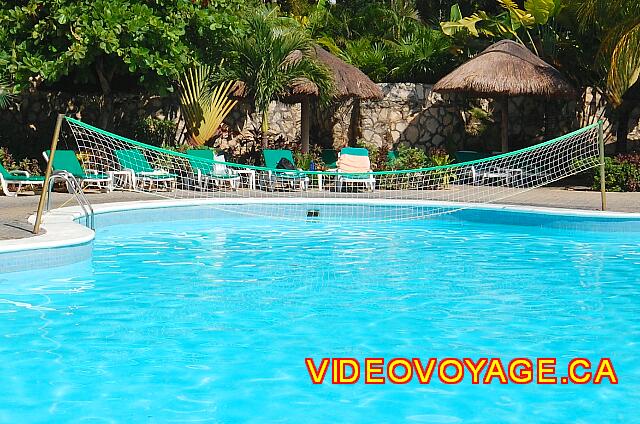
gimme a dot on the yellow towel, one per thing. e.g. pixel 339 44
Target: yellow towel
pixel 353 164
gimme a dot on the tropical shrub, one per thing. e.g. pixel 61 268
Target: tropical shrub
pixel 7 160
pixel 304 160
pixel 105 43
pixel 157 132
pixel 622 173
pixel 387 40
pixel 409 158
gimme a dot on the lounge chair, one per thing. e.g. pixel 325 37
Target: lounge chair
pixel 17 177
pixel 329 157
pixel 143 175
pixel 283 177
pixel 484 173
pixel 354 167
pixel 206 172
pixel 66 160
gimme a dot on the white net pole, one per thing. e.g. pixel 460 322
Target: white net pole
pixel 111 161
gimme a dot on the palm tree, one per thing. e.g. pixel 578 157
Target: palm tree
pixel 273 55
pixel 617 25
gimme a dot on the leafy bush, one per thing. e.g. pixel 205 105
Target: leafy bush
pixel 304 160
pixel 7 160
pixel 622 173
pixel 157 132
pixel 409 158
pixel 378 156
pixel 442 177
pixel 386 40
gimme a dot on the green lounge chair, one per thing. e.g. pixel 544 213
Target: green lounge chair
pixel 142 174
pixel 282 176
pixel 66 160
pixel 207 172
pixel 17 177
pixel 330 157
pixel 346 177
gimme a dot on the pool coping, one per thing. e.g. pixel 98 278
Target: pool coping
pixel 62 228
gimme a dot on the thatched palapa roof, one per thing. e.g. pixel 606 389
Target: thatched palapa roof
pixel 506 68
pixel 349 81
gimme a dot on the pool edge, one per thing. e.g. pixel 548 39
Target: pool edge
pixel 63 231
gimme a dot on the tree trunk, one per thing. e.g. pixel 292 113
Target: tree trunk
pixel 355 123
pixel 105 77
pixel 623 128
pixel 304 124
pixel 265 129
pixel 504 106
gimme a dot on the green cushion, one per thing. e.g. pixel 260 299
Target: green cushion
pixel 66 160
pixel 134 160
pixel 354 151
pixel 205 167
pixel 199 165
pixel 355 176
pixel 8 176
pixel 330 157
pixel 272 157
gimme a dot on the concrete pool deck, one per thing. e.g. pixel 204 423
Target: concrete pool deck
pixel 14 211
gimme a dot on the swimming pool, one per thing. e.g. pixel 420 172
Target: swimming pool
pixel 209 318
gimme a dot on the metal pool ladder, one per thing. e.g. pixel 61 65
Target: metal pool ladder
pixel 74 188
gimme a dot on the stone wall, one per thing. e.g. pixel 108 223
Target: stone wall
pixel 409 114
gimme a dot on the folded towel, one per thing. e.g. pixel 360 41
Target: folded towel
pixel 353 164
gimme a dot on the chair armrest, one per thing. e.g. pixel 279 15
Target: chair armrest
pixel 20 172
pixel 91 171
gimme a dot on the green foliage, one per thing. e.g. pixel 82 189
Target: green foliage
pixel 303 160
pixel 385 39
pixel 622 173
pixel 156 132
pixel 512 22
pixel 409 158
pixel 271 57
pixel 369 56
pixel 94 41
pixel 7 160
pixel 421 55
pixel 478 122
pixel 204 104
pixel 617 29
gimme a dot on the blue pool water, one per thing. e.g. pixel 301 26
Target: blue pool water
pixel 210 321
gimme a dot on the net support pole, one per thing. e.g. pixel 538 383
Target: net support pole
pixel 47 175
pixel 603 189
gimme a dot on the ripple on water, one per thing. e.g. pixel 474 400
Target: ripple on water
pixel 210 321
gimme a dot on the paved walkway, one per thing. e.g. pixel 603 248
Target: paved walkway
pixel 14 211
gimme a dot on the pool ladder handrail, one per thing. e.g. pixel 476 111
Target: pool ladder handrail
pixel 74 188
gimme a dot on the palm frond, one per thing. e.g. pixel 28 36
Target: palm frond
pixel 204 106
pixel 6 93
pixel 625 63
pixel 272 56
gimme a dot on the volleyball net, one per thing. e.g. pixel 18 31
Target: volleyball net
pixel 113 162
